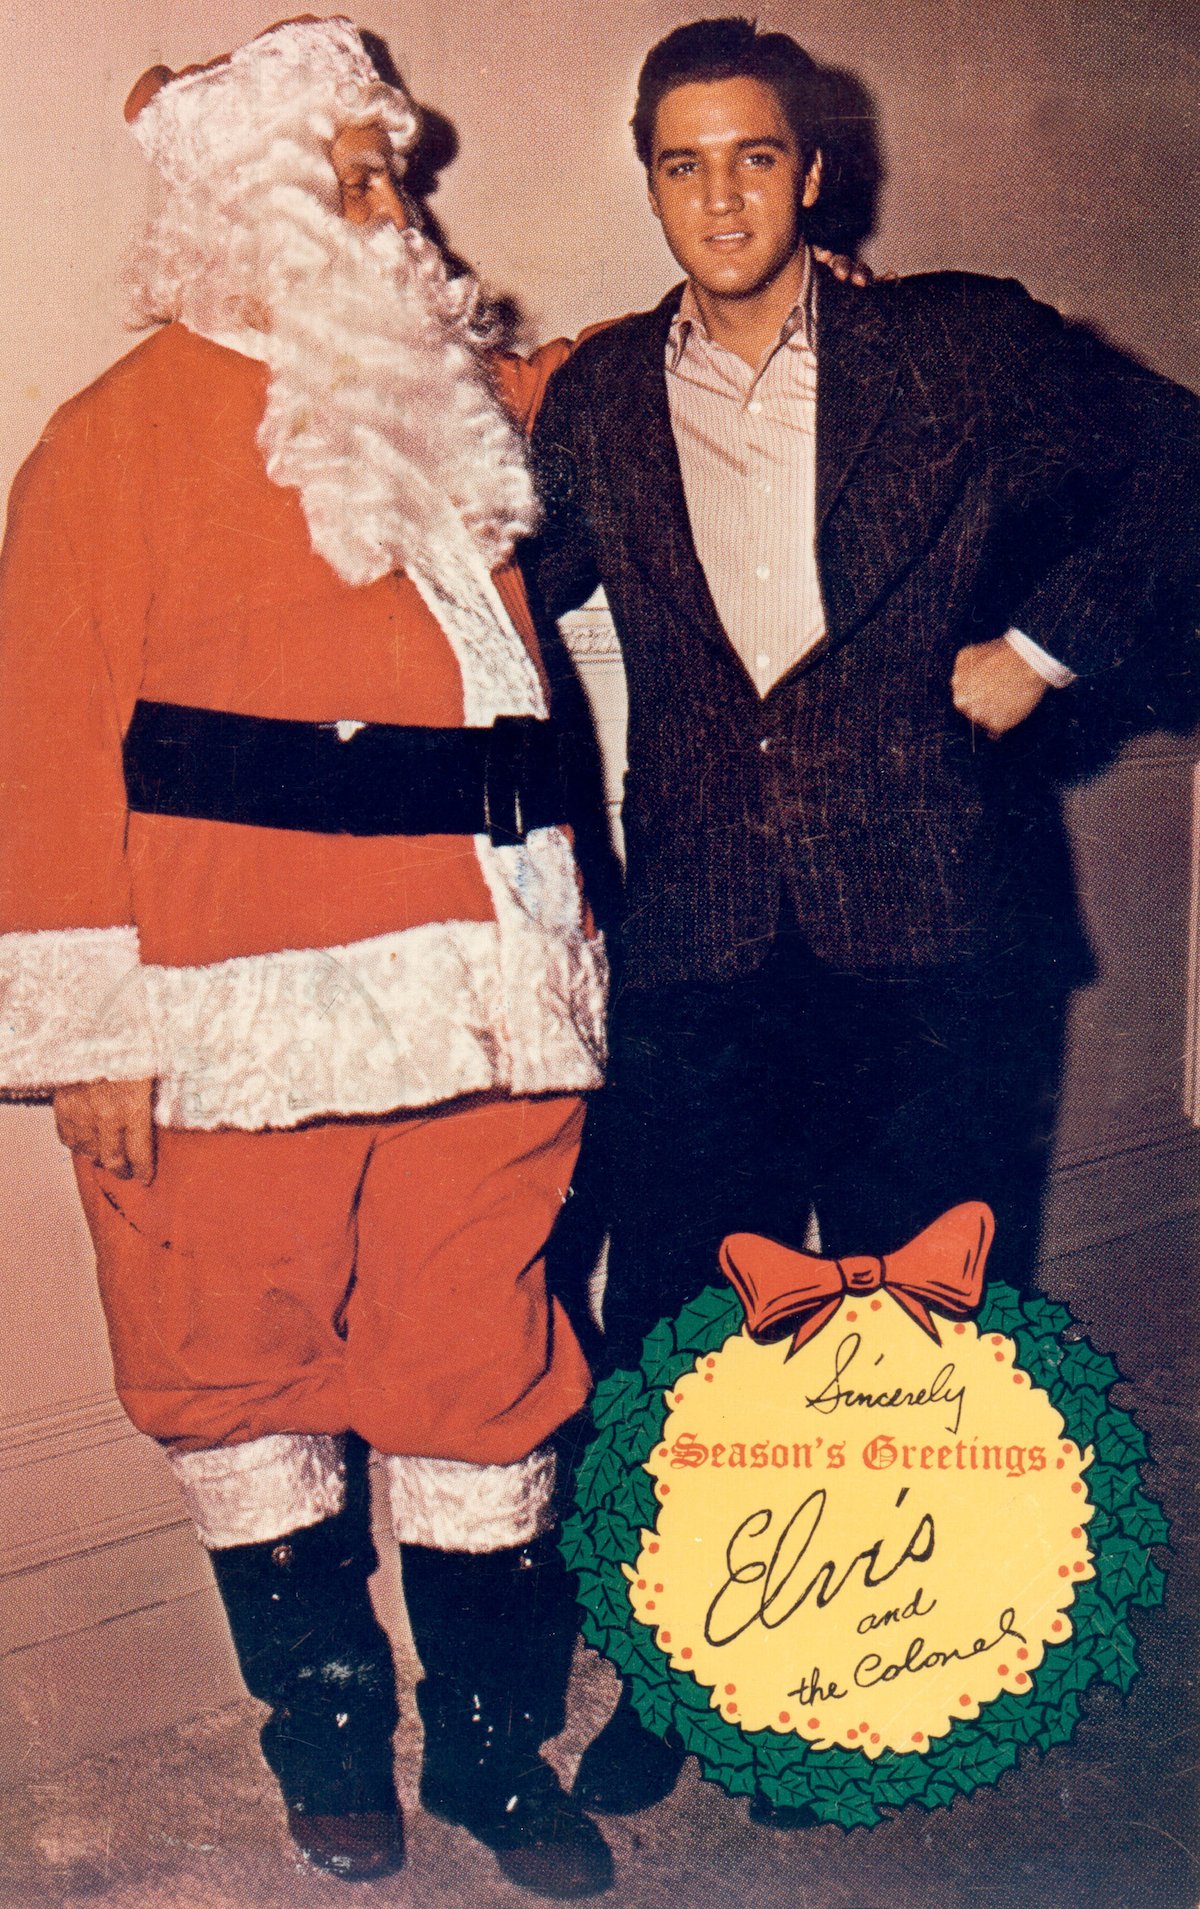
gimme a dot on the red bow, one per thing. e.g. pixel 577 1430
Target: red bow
pixel 942 1267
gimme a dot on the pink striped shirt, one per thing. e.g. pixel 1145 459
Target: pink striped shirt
pixel 747 443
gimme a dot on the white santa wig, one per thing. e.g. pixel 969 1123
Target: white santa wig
pixel 380 411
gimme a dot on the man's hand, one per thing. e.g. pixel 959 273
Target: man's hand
pixel 111 1122
pixel 844 268
pixel 994 687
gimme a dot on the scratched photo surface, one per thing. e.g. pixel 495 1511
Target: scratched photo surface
pixel 1050 141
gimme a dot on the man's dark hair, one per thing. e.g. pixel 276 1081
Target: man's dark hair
pixel 725 49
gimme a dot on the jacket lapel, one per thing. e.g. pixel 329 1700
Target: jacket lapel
pixel 649 495
pixel 892 456
pixel 857 370
pixel 878 501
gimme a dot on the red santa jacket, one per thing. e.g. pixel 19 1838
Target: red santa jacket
pixel 264 976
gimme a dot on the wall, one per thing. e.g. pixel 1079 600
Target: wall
pixel 1051 139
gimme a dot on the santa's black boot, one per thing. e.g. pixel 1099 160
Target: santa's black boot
pixel 495 1632
pixel 309 1644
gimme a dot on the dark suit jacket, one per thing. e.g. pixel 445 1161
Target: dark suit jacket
pixel 979 465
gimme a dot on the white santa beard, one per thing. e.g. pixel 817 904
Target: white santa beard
pixel 380 411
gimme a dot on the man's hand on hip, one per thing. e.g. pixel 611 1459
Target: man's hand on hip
pixel 111 1122
pixel 992 686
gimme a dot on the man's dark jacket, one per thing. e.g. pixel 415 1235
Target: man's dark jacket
pixel 980 465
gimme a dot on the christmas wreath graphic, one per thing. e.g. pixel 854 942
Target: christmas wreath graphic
pixel 860 1532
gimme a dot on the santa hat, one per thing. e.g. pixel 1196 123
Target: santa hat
pixel 317 69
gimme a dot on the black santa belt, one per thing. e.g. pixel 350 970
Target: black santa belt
pixel 345 778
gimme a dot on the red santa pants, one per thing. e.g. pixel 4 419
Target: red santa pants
pixel 384 1277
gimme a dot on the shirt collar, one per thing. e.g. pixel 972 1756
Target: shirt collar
pixel 797 329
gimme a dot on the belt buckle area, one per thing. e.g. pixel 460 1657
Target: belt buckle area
pixel 503 768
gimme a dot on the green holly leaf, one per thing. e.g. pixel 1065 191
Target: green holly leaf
pixel 774 1750
pixel 632 1440
pixel 577 1545
pixel 1153 1587
pixel 1107 1488
pixel 1101 1526
pixel 896 1781
pixel 1121 1566
pixel 1144 1521
pixel 786 1790
pixel 831 1773
pixel 713 1315
pixel 661 1354
pixel 616 1541
pixel 1092 1614
pixel 1001 1311
pixel 976 1759
pixel 1008 1716
pixel 616 1645
pixel 1084 1411
pixel 1084 1366
pixel 939 1793
pixel 1064 1675
pixel 660 1343
pixel 1116 1656
pixel 607 1598
pixel 691 1695
pixel 1061 1722
pixel 618 1400
pixel 853 1809
pixel 1119 1441
pixel 633 1490
pixel 601 1473
pixel 1041 1359
pixel 719 1744
pixel 1046 1316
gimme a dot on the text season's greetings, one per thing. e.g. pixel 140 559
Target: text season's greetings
pixel 863 1540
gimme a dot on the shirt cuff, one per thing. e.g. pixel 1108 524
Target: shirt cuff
pixel 1055 673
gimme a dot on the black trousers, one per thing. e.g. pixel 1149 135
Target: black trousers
pixel 878 1101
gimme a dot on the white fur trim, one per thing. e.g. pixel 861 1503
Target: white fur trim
pixel 555 981
pixel 262 1489
pixel 451 1505
pixel 72 1008
pixel 201 118
pixel 247 343
pixel 403 1020
pixel 498 675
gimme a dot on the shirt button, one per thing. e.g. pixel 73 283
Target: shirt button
pixel 763 572
pixel 765 488
pixel 762 662
pixel 754 407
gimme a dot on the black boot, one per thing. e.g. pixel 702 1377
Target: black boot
pixel 309 1644
pixel 495 1633
pixel 627 1768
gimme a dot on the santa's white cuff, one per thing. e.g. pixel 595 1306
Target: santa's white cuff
pixel 263 1488
pixel 452 1505
pixel 72 1008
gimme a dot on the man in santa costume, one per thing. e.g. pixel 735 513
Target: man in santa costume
pixel 291 931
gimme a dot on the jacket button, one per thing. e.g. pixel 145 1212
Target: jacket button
pixel 764 743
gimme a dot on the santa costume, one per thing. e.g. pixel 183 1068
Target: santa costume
pixel 282 828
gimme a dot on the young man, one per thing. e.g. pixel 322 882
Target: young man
pixel 849 538
pixel 291 932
